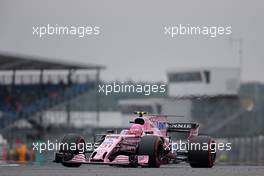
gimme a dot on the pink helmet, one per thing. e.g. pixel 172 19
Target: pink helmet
pixel 136 129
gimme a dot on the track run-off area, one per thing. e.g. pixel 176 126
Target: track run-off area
pixel 92 170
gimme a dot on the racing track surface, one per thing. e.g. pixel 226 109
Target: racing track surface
pixel 92 170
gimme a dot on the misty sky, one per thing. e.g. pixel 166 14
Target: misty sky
pixel 132 44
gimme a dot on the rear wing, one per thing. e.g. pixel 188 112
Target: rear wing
pixel 182 127
pixel 164 126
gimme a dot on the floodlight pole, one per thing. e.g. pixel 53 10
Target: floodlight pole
pixel 41 85
pixel 240 53
pixel 68 104
pixel 13 77
pixel 97 97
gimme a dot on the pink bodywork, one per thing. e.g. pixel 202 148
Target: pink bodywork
pixel 111 141
pixel 101 154
pixel 109 144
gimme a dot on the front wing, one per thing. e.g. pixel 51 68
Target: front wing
pixel 120 160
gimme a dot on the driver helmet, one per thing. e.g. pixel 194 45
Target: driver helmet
pixel 136 129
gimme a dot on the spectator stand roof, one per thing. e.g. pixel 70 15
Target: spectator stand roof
pixel 23 62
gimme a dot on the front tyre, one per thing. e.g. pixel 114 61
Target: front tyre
pixel 65 149
pixel 153 147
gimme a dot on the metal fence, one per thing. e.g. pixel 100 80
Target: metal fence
pixel 246 150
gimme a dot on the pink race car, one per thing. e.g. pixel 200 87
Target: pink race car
pixel 145 144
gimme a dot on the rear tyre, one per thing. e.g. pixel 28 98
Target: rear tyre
pixel 201 156
pixel 69 140
pixel 153 147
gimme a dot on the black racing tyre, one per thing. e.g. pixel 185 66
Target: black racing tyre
pixel 69 140
pixel 71 164
pixel 201 156
pixel 153 147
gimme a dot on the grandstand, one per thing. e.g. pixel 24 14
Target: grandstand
pixel 31 85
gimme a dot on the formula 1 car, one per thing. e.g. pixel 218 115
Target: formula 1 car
pixel 145 144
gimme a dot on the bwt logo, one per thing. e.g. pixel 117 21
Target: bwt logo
pixel 181 125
